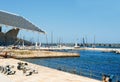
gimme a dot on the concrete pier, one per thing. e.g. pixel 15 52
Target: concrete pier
pixel 37 54
pixel 45 74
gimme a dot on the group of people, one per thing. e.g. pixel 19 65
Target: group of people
pixel 26 69
pixel 9 69
pixel 107 78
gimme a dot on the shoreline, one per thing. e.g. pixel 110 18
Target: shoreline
pixel 45 74
pixel 14 62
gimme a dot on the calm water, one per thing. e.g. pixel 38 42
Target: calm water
pixel 90 63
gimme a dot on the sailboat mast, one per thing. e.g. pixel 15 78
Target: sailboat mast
pixel 51 37
pixel 46 40
pixel 83 42
pixel 94 39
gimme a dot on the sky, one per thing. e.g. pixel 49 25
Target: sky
pixel 69 21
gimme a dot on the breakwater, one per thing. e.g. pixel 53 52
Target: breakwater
pixel 37 54
pixel 113 50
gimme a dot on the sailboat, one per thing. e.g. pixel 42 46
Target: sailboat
pixel 93 46
pixel 76 45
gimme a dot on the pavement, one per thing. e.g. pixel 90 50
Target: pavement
pixel 45 74
pixel 4 78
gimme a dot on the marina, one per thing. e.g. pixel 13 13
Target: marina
pixel 81 61
pixel 92 64
pixel 59 41
pixel 73 60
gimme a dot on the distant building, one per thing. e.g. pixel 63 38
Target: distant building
pixel 18 23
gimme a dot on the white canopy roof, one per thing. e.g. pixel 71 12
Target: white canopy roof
pixel 17 22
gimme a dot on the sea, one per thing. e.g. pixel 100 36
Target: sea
pixel 92 64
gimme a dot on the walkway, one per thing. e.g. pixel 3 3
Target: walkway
pixel 45 74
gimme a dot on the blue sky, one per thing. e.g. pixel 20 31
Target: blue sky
pixel 69 20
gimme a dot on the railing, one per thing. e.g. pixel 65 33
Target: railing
pixel 82 72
